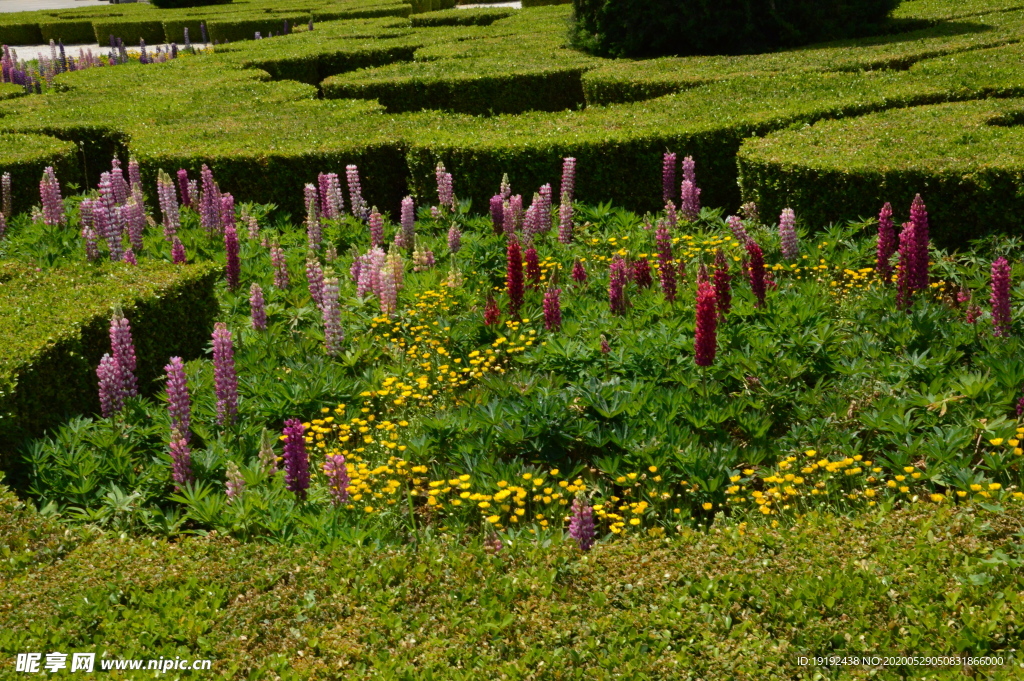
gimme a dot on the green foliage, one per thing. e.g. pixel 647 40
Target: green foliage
pixel 462 17
pixel 26 156
pixel 644 28
pixel 178 4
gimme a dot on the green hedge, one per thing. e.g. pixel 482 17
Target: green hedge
pixel 55 325
pixel 27 33
pixel 245 27
pixel 10 91
pixel 966 159
pixel 178 4
pixel 26 156
pixel 544 3
pixel 70 32
pixel 131 31
pixel 484 16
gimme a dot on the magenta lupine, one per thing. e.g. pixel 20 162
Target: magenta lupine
pixel 723 284
pixel 445 192
pixel 581 525
pixel 5 195
pixel 514 276
pixel 617 285
pixel 906 277
pixel 184 194
pixel 919 216
pixel 544 216
pixel 110 386
pixel 755 271
pixel 178 403
pixel 670 215
pixel 181 462
pixel 332 202
pixel 178 252
pixel 567 191
pixel 491 311
pixel 706 339
pixel 605 347
pixel 360 209
pixel 886 244
pixel 257 309
pixel 118 183
pixel 497 213
pixel 565 222
pixel 739 232
pixel 234 483
pixel 552 309
pixel 337 478
pixel 232 272
pixel 689 200
pixel 134 175
pixel 642 273
pixel 296 460
pixel 787 234
pixel 666 268
pixel 280 265
pixel 210 203
pixel 1000 299
pixel 315 279
pixel 224 376
pixel 129 256
pixel 388 290
pixel 122 348
pixel 668 177
pixel 376 221
pixel 53 204
pixel 515 204
pixel 135 219
pixel 454 239
pixel 532 266
pixel 333 333
pixel 579 273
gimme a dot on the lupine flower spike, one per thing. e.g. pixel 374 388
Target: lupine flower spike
pixel 514 276
pixel 552 305
pixel 257 310
pixel 919 218
pixel 617 286
pixel 666 267
pixel 906 277
pixel 224 376
pixel 178 403
pixel 668 177
pixel 491 312
pixel 235 482
pixel 886 244
pixel 581 526
pixel 337 477
pixel 787 234
pixel 296 460
pixel 755 271
pixel 723 284
pixel 706 337
pixel 333 333
pixel 579 273
pixel 1001 297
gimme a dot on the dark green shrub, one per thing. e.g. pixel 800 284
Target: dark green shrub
pixel 641 28
pixel 245 27
pixel 70 32
pixel 178 4
pixel 27 33
pixel 131 31
pixel 25 157
pixel 462 17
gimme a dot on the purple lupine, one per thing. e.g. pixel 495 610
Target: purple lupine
pixel 185 196
pixel 210 203
pixel 107 227
pixel 178 252
pixel 670 215
pixel 666 268
pixel 508 223
pixel 178 405
pixel 531 223
pixel 280 265
pixel 135 220
pixel 314 231
pixel 376 221
pixel 532 266
pixel 181 462
pixel 122 348
pixel 296 461
pixel 129 256
pixel 315 279
pixel 333 333
pixel 886 244
pixel 337 478
pixel 581 525
pixel 642 273
pixel 739 232
pixel 497 213
pixel 225 377
pixel 408 221
pixel 118 183
pixel 235 483
pixel 755 271
pixel 134 174
pixel 787 234
pixel 445 193
pixel 705 343
pixel 544 217
pixel 110 386
pixel 257 309
pixel 454 239
pixel 491 311
pixel 168 202
pixel 1000 299
pixel 919 217
pixel 617 285
pixel 552 309
pixel 565 222
pixel 193 194
pixel 355 191
pixel 514 276
pixel 668 177
pixel 567 190
pixel 579 273
pixel 6 200
pixel 907 276
pixel 232 271
pixel 723 284
pixel 331 201
pixel 689 200
pixel 53 204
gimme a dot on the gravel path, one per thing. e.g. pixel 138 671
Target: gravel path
pixel 32 5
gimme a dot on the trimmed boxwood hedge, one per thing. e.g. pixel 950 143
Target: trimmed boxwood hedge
pixel 131 31
pixel 55 325
pixel 484 16
pixel 26 156
pixel 68 32
pixel 178 4
pixel 245 27
pixel 27 33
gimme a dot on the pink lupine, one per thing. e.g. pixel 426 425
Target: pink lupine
pixel 332 202
pixel 224 375
pixel 755 271
pixel 689 200
pixel 129 257
pixel 168 202
pixel 296 460
pixel 531 222
pixel 122 348
pixel 445 194
pixel 388 290
pixel 193 194
pixel 234 265
pixel 666 267
pixel 134 174
pixel 178 252
pixel 315 279
pixel 886 246
pixel 253 230
pixel 568 187
pixel 360 209
pixel 668 177
pixel 280 265
pixel 544 217
pixel 234 483
pixel 706 339
pixel 178 402
pixel 497 213
pixel 53 204
pixel 516 205
pixel 181 462
pixel 110 386
pixel 376 221
pixel 670 215
pixel 1000 300
pixel 257 310
pixel 338 479
pixel 787 234
pixel 906 277
pixel 135 220
pixel 617 286
pixel 185 195
pixel 118 183
pixel 919 217
pixel 107 226
pixel 514 276
pixel 552 309
pixel 581 525
pixel 92 251
pixel 333 333
pixel 579 273
pixel 723 284
pixel 454 239
pixel 508 223
pixel 408 221
pixel 532 266
pixel 491 312
pixel 210 203
pixel 739 232
pixel 565 223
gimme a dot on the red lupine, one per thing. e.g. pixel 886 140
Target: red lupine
pixel 296 460
pixel 706 337
pixel 617 285
pixel 514 276
pixel 755 271
pixel 906 277
pixel 1000 299
pixel 919 217
pixel 579 273
pixel 491 312
pixel 532 266
pixel 723 284
pixel 552 309
pixel 642 273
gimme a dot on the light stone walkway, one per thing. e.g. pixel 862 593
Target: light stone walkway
pixel 32 5
pixel 514 5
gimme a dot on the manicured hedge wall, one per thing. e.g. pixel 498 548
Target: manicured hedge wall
pixel 245 27
pixel 27 33
pixel 178 4
pixel 131 31
pixel 55 325
pixel 484 16
pixel 26 156
pixel 70 32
